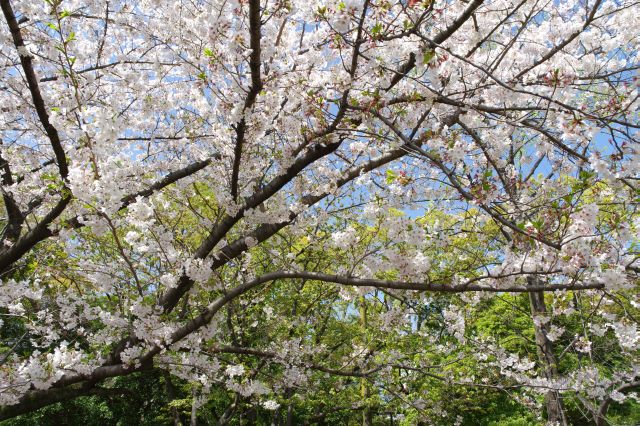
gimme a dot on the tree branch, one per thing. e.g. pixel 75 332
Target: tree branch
pixel 256 87
pixel 32 82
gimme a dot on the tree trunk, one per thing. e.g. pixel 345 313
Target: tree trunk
pixel 194 409
pixel 171 394
pixel 546 355
pixel 364 386
pixel 289 415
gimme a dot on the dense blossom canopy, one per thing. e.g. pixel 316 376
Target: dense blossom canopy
pixel 292 198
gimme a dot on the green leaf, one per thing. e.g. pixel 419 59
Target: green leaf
pixel 391 177
pixel 428 56
pixel 586 175
pixel 376 30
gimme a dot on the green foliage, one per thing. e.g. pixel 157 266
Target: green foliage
pixel 315 314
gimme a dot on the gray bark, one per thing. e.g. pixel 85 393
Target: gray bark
pixel 546 355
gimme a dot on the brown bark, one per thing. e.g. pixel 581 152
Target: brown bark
pixel 601 419
pixel 546 355
pixel 194 408
pixel 367 417
pixel 171 393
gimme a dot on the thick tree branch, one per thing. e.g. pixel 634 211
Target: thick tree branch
pixel 604 406
pixel 263 232
pixel 42 231
pixel 32 81
pixel 15 217
pixel 40 399
pixel 256 87
pixel 425 286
